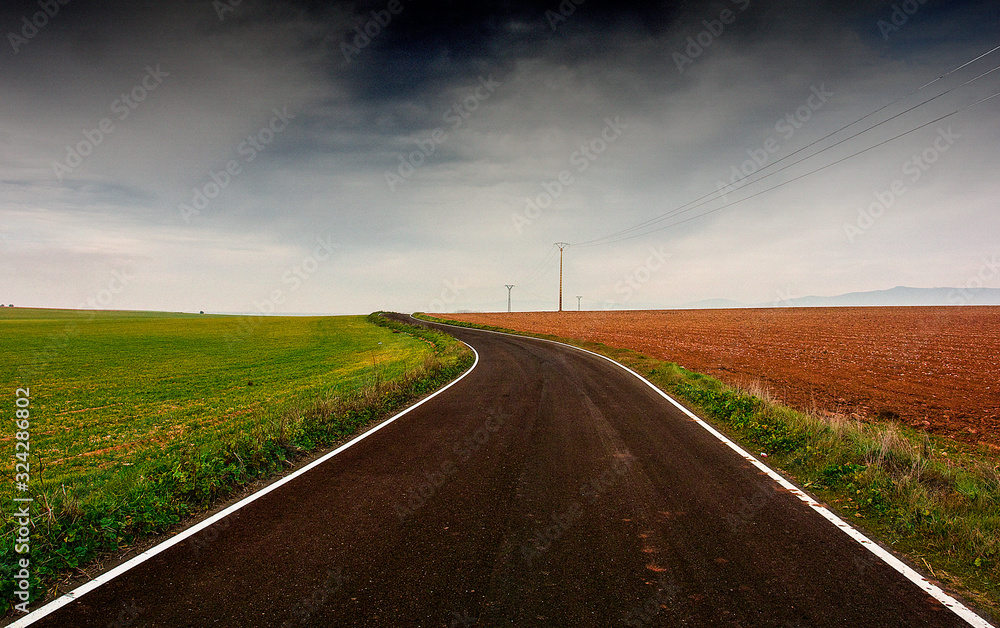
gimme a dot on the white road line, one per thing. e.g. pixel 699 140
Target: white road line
pixel 83 589
pixel 931 589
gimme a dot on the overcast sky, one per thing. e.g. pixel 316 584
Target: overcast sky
pixel 413 155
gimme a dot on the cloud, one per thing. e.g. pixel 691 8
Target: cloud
pixel 352 122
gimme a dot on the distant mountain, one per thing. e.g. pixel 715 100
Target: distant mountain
pixel 713 304
pixel 898 296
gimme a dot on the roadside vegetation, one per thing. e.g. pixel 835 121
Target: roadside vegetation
pixel 140 421
pixel 934 500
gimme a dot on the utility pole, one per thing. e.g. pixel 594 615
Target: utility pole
pixel 509 286
pixel 561 246
pixel 578 297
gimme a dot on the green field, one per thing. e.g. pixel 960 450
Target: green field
pixel 139 419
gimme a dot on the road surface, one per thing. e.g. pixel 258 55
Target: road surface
pixel 547 488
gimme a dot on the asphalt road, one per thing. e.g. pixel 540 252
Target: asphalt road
pixel 547 488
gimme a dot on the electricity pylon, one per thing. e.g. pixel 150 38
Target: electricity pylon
pixel 561 246
pixel 509 286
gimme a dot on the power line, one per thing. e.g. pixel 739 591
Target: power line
pixel 802 176
pixel 806 158
pixel 561 245
pixel 767 166
pixel 538 267
pixel 613 237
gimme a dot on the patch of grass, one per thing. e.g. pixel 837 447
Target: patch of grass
pixel 932 499
pixel 139 421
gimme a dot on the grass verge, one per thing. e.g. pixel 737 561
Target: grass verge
pixel 934 501
pixel 164 487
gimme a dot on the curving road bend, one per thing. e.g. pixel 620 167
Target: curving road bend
pixel 549 487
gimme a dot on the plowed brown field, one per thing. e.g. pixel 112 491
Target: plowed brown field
pixel 934 367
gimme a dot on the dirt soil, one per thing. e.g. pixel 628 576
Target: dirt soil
pixel 932 367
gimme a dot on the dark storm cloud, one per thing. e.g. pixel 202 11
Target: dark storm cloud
pixel 429 49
